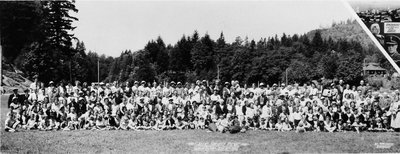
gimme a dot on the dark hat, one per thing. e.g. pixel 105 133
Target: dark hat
pixel 26 90
pixel 391 43
pixel 15 90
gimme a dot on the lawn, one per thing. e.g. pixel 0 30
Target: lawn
pixel 197 141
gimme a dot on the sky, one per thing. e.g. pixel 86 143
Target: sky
pixel 110 27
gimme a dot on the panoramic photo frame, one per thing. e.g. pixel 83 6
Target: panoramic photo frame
pixel 194 76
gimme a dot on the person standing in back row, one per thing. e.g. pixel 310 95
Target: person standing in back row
pixel 14 94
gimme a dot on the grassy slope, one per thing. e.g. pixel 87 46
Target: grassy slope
pixel 178 141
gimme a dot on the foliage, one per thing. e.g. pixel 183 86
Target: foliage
pixel 39 41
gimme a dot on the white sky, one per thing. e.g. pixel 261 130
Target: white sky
pixel 109 27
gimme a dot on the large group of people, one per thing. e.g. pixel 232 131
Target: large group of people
pixel 376 15
pixel 221 107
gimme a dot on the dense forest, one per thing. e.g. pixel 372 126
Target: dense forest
pixel 37 37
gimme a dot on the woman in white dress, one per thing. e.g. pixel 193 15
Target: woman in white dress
pixel 395 115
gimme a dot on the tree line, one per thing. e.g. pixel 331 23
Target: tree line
pixel 37 37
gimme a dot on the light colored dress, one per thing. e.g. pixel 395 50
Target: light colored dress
pixel 395 114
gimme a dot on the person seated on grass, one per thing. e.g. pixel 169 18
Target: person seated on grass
pixel 123 125
pixel 160 122
pixel 153 124
pixel 250 124
pixel 42 121
pixel 279 125
pixel 196 122
pixel 318 126
pixel 190 121
pixel 358 126
pixel 222 124
pixel 297 116
pixel 100 124
pixel 132 124
pixel 90 123
pixel 180 123
pixel 285 126
pixel 234 125
pixel 11 123
pixel 329 125
pixel 300 127
pixel 201 124
pixel 378 124
pixel 107 123
pixel 208 121
pixel 51 123
pixel 73 115
pixel 263 124
pixel 169 123
pixel 145 124
pixel 70 125
pixel 385 123
pixel 32 123
pixel 339 126
pixel 306 124
pixel 24 114
pixel 84 118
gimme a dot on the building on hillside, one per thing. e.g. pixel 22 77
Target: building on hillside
pixel 373 69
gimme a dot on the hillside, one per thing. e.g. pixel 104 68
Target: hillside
pixel 12 78
pixel 350 30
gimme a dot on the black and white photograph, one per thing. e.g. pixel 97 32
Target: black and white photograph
pixel 199 77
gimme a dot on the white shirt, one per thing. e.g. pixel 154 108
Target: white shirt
pixel 33 86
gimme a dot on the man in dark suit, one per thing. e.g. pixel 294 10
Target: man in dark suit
pixel 14 94
pixel 24 97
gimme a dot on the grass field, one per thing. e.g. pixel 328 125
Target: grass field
pixel 191 141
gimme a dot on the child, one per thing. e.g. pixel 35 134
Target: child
pixel 132 123
pixel 11 123
pixel 201 124
pixel 300 127
pixel 124 123
pixel 100 123
pixel 358 126
pixel 181 123
pixel 264 124
pixel 42 121
pixel 340 126
pixel 31 124
pixel 169 123
pixel 329 125
pixel 90 124
pixel 70 125
pixel 161 123
pixel 222 124
pixel 286 126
